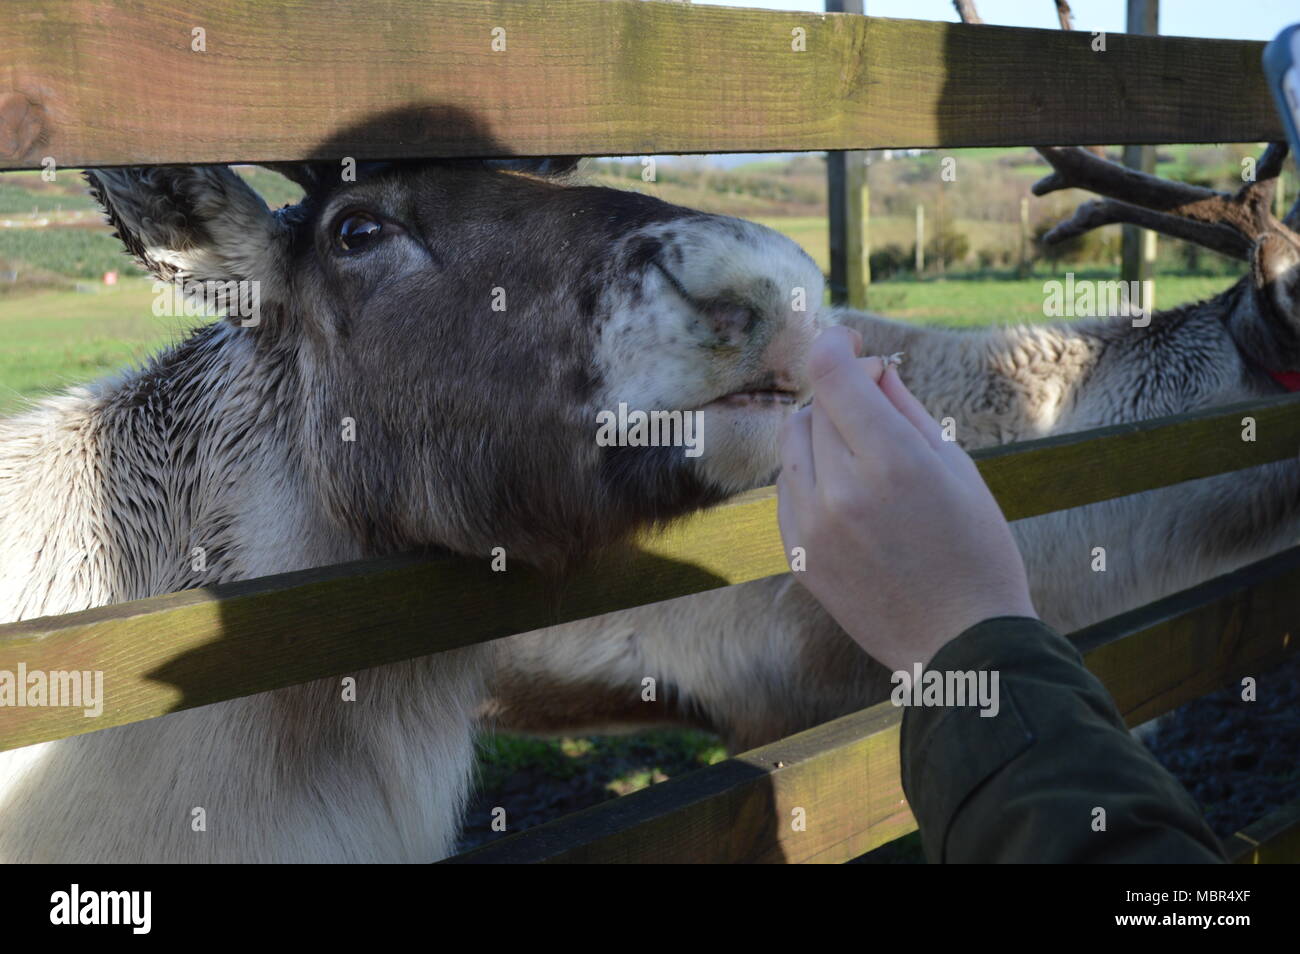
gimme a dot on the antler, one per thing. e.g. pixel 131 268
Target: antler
pixel 1229 224
pixel 1064 15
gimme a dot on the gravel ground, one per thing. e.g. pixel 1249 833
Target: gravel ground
pixel 1240 760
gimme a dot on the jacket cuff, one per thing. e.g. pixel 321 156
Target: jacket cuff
pixel 994 741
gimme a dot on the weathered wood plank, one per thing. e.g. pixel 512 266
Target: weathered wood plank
pixel 112 82
pixel 202 646
pixel 1272 840
pixel 1071 470
pixel 845 774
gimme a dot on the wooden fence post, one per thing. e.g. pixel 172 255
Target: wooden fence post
pixel 920 240
pixel 1022 267
pixel 847 200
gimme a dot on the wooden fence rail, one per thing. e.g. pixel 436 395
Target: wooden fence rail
pixel 845 773
pixel 1273 839
pixel 117 82
pixel 202 646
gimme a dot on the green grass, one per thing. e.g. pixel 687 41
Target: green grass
pixel 24 191
pixel 16 198
pixel 271 186
pixel 76 252
pixel 52 339
pixel 964 303
pixel 812 233
pixel 966 300
pixel 502 755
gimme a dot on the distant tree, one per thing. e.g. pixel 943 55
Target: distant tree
pixel 889 261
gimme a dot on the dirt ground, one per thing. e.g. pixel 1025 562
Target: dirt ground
pixel 1240 760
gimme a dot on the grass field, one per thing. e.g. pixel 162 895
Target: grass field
pixel 970 303
pixel 813 234
pixel 78 253
pixel 52 338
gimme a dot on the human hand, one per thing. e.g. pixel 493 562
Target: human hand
pixel 904 544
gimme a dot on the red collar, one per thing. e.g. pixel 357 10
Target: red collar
pixel 1288 379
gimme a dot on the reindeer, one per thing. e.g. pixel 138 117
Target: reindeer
pixel 762 660
pixel 377 403
pixel 375 296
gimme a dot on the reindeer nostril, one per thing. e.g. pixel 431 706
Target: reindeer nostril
pixel 729 319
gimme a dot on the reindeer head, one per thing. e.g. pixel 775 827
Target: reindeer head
pixel 1263 310
pixel 469 321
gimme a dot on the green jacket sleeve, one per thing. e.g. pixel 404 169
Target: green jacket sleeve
pixel 1027 784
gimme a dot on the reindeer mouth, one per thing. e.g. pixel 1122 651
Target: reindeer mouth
pixel 772 390
pixel 757 397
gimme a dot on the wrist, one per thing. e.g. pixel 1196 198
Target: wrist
pixel 926 638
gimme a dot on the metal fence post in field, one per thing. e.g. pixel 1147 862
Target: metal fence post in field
pixel 1138 245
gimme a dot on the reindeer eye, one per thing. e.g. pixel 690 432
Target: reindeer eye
pixel 356 231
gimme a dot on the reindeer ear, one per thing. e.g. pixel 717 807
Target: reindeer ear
pixel 317 177
pixel 200 223
pixel 312 177
pixel 540 166
pixel 1275 268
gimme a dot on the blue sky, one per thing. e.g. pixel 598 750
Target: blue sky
pixel 1222 19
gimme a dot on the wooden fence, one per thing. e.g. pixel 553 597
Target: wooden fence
pixel 93 82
